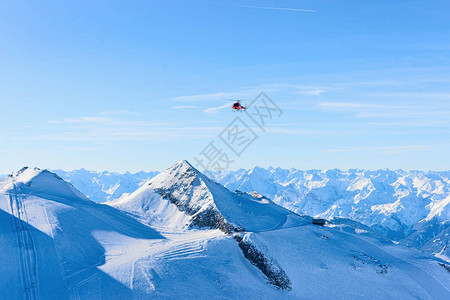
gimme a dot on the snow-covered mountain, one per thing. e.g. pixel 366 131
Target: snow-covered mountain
pixel 103 186
pixel 207 203
pixel 181 236
pixel 53 238
pixel 410 207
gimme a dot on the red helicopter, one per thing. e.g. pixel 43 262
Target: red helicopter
pixel 237 106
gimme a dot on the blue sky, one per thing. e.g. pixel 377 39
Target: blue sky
pixel 114 85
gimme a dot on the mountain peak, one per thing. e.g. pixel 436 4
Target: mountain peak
pixel 26 174
pixel 35 181
pixel 205 202
pixel 176 175
pixel 183 165
pixel 184 162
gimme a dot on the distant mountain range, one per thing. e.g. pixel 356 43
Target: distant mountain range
pixel 408 207
pixel 104 186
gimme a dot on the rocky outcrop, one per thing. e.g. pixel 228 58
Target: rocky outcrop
pixel 208 217
pixel 269 267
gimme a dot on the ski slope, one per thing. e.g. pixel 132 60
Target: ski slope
pixel 57 244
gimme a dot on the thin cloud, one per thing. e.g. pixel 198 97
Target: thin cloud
pixel 126 134
pixel 212 110
pixel 218 96
pixel 116 113
pixel 202 97
pixel 424 95
pixel 184 107
pixel 387 150
pixel 419 113
pixel 88 120
pixel 96 121
pixel 418 123
pixel 250 92
pixel 280 8
pixel 312 92
pixel 288 131
pixel 345 105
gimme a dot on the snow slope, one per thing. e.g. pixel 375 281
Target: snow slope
pixel 57 244
pixel 49 229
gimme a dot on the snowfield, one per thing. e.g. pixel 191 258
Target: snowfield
pixel 181 235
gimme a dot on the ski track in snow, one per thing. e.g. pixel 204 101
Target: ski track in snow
pixel 178 246
pixel 183 251
pixel 74 290
pixel 27 252
pixel 80 278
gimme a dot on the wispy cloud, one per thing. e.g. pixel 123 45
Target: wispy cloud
pixel 312 92
pixel 88 120
pixel 382 149
pixel 250 92
pixel 289 131
pixel 116 113
pixel 98 128
pixel 405 115
pixel 215 109
pixel 84 119
pixel 292 88
pixel 106 116
pixel 117 134
pixel 203 97
pixel 279 8
pixel 344 105
pixel 184 107
pixel 420 112
pixel 415 123
pixel 424 95
pixel 95 121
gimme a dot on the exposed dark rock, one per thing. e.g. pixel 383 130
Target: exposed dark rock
pixel 318 221
pixel 213 219
pixel 269 267
pixel 364 259
pixel 447 267
pixel 22 170
pixel 207 218
pixel 382 269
